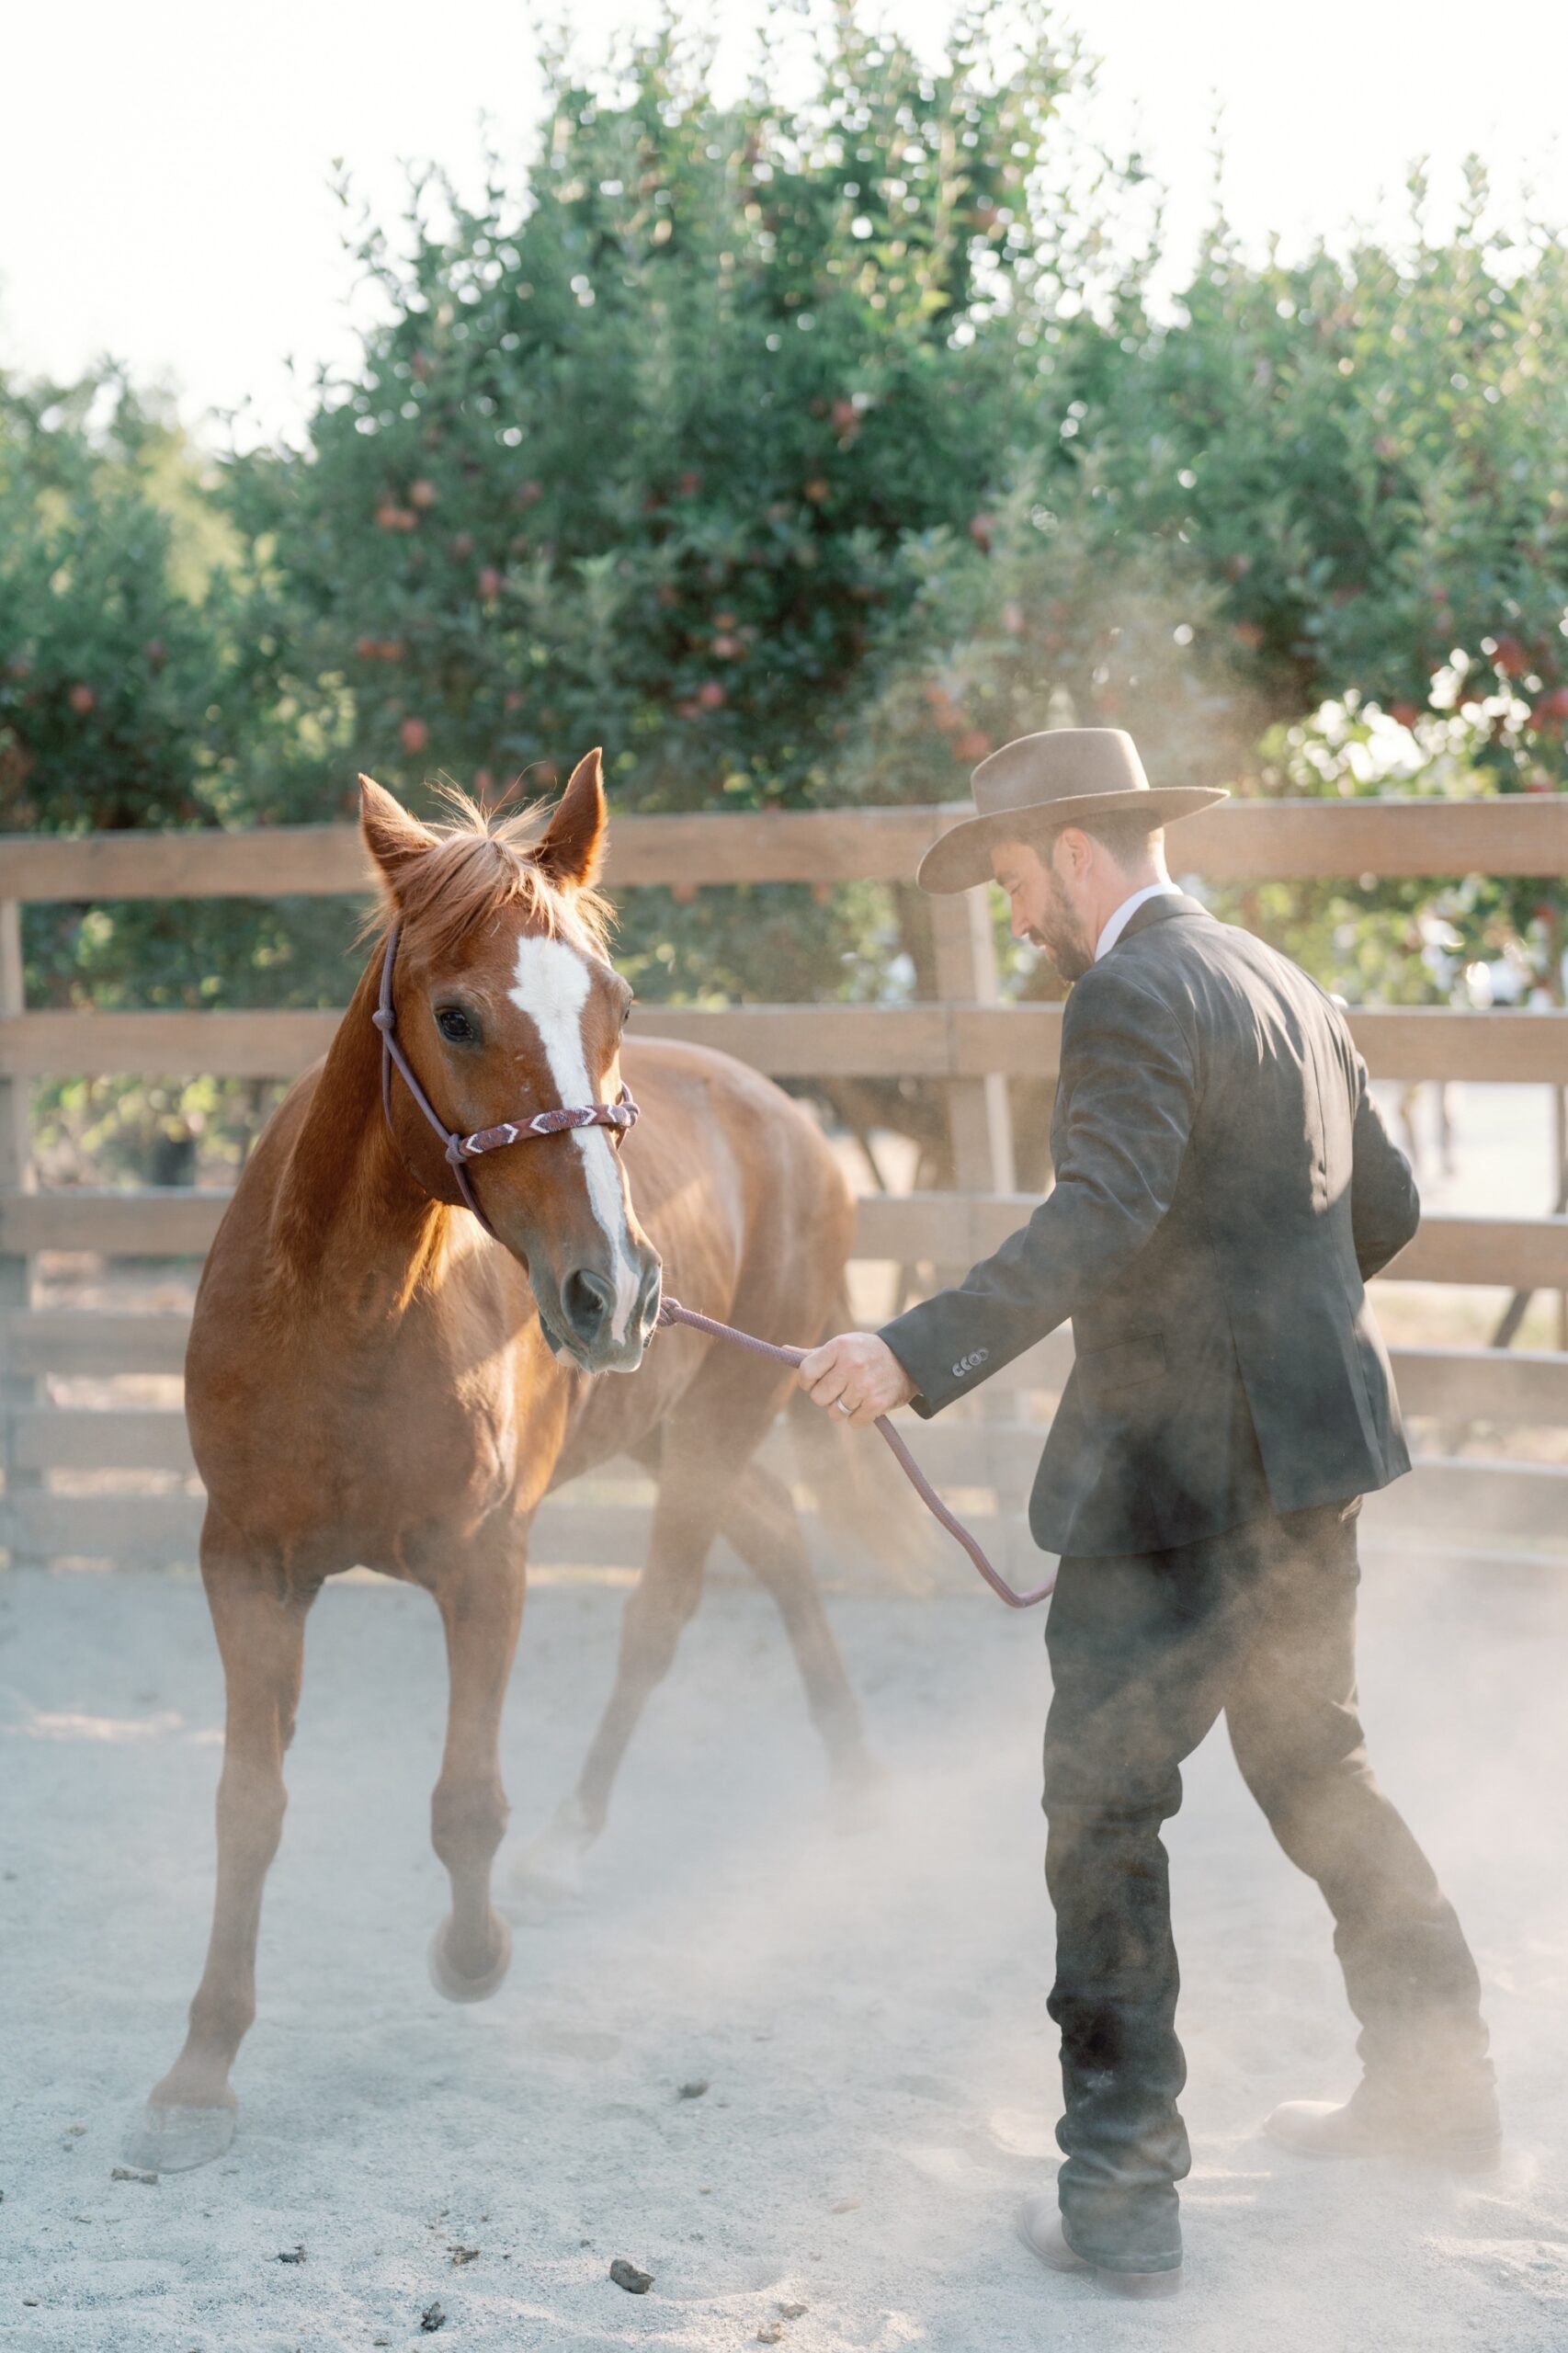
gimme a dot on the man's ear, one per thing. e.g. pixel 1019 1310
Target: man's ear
pixel 394 838
pixel 572 849
pixel 1077 848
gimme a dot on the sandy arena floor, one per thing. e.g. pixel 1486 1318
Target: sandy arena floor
pixel 866 2010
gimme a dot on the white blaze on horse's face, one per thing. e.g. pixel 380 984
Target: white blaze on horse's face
pixel 554 982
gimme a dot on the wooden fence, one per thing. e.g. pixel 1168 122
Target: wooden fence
pixel 964 1039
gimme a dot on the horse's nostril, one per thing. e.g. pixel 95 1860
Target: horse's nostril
pixel 587 1298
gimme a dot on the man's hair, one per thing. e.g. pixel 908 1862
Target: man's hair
pixel 1125 833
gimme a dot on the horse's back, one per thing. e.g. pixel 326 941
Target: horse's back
pixel 764 1160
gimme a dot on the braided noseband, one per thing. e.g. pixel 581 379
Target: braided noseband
pixel 617 1117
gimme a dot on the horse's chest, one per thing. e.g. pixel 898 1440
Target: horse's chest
pixel 417 1453
pixel 361 1453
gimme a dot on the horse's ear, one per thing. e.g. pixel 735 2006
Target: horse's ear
pixel 573 845
pixel 394 838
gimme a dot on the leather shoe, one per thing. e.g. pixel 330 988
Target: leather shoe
pixel 1039 2227
pixel 1463 2139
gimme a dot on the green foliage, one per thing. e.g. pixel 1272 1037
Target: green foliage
pixel 1476 939
pixel 109 673
pixel 1363 453
pixel 647 458
pixel 799 451
pixel 638 458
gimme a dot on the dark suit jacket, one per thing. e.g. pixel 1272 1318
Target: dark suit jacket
pixel 1224 1185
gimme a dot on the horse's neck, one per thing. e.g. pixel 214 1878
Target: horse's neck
pixel 348 1218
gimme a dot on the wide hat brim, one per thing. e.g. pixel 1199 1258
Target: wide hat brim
pixel 961 856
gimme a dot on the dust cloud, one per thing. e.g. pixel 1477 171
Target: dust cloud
pixel 864 1998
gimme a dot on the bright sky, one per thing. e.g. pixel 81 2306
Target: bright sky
pixel 163 170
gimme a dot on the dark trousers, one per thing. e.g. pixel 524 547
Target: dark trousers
pixel 1145 1652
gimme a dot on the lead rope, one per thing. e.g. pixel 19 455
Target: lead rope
pixel 618 1118
pixel 672 1312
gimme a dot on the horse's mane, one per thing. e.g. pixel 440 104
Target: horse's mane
pixel 481 865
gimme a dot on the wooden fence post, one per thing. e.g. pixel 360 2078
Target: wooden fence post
pixel 1560 1169
pixel 17 1389
pixel 979 1122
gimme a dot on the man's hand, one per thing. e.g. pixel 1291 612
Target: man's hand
pixel 856 1375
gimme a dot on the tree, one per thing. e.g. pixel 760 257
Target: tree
pixel 647 457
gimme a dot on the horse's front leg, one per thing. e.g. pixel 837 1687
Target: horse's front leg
pixel 258 1616
pixel 657 1611
pixel 482 1609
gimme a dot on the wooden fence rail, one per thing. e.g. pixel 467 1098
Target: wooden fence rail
pixel 1239 841
pixel 936 1228
pixel 55 1456
pixel 785 1040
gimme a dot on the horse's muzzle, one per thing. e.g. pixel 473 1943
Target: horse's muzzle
pixel 586 1319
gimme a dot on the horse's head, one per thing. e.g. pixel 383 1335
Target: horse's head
pixel 506 1005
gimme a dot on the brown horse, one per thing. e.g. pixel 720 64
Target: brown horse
pixel 373 1378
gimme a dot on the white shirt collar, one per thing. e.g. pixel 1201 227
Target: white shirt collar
pixel 1117 924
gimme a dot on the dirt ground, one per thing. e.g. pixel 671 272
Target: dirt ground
pixel 864 2006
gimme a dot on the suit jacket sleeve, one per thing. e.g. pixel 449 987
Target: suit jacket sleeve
pixel 1385 1208
pixel 1130 1080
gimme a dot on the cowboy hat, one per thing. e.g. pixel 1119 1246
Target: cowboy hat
pixel 1067 775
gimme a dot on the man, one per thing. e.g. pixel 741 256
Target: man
pixel 1224 1187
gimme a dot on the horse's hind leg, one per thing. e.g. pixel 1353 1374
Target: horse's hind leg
pixel 761 1523
pixel 657 1611
pixel 259 1619
pixel 482 1609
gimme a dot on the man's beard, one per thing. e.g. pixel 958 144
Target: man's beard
pixel 1061 934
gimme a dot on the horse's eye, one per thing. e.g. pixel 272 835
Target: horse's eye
pixel 626 1011
pixel 455 1026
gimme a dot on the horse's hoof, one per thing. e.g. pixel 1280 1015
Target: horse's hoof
pixel 457 1988
pixel 175 2140
pixel 550 1869
pixel 858 1800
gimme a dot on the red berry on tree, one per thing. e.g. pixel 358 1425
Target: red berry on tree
pixel 711 695
pixel 415 735
pixel 491 581
pixel 83 699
